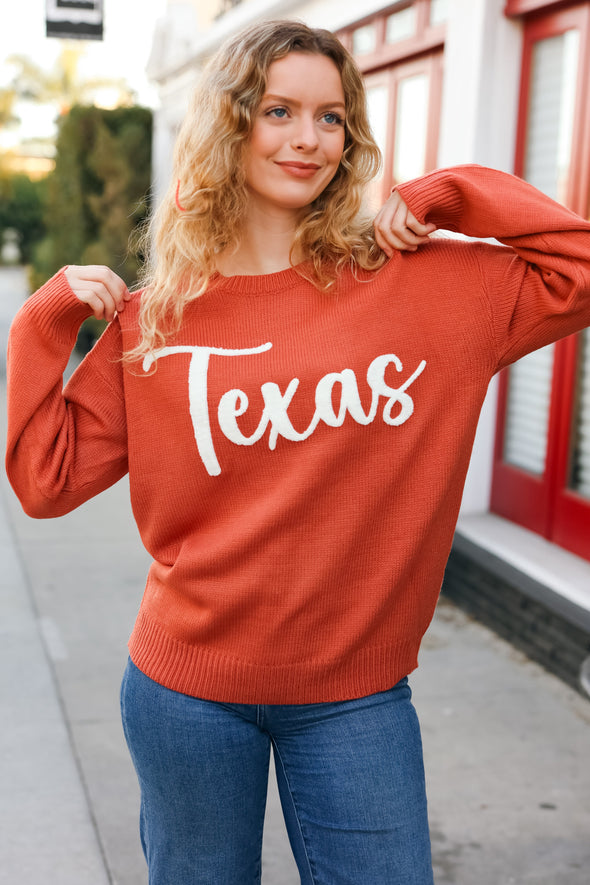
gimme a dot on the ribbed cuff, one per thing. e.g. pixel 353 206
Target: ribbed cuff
pixel 56 310
pixel 434 198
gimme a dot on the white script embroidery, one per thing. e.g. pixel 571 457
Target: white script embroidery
pixel 235 402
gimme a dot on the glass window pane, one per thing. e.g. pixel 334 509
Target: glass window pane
pixel 580 475
pixel 411 128
pixel 439 11
pixel 400 25
pixel 551 113
pixel 364 39
pixel 527 412
pixel 377 106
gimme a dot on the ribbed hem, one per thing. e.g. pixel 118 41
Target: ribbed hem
pixel 57 312
pixel 203 673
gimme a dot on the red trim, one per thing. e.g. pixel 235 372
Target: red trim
pixel 389 54
pixel 520 497
pixel 572 530
pixel 571 515
pixel 517 495
pixel 566 382
pixel 545 504
pixel 522 7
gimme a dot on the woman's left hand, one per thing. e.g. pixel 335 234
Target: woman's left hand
pixel 397 229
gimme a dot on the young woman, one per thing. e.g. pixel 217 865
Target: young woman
pixel 295 399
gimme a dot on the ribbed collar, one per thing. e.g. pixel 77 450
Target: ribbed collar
pixel 262 284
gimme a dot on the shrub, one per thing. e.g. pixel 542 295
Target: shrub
pixel 98 193
pixel 21 209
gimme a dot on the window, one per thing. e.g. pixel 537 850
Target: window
pixel 401 54
pixel 527 411
pixel 542 462
pixel 404 107
pixel 400 25
pixel 439 11
pixel 405 30
pixel 364 40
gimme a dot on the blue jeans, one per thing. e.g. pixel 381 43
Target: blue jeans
pixel 350 775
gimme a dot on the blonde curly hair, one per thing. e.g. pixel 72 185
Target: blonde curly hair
pixel 201 214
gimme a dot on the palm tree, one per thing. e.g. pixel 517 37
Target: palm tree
pixel 7 115
pixel 62 86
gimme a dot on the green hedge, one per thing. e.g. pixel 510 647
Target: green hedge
pixel 98 193
pixel 21 209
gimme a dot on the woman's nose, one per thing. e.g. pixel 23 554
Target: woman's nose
pixel 305 137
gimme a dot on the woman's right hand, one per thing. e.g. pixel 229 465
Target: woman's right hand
pixel 396 228
pixel 98 287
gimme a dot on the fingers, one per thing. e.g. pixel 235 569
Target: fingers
pixel 100 288
pixel 396 228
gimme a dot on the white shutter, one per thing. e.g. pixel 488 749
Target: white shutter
pixel 581 455
pixel 527 412
pixel 551 113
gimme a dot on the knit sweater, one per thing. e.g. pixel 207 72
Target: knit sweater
pixel 296 457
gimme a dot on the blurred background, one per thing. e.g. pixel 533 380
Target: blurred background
pixel 92 93
pixel 75 135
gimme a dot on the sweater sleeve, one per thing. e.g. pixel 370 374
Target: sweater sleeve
pixel 541 290
pixel 63 445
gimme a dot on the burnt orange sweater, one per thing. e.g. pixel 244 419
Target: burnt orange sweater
pixel 297 459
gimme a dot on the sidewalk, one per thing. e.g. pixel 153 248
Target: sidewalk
pixel 507 746
pixel 47 832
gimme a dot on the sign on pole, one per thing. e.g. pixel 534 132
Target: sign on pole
pixel 74 19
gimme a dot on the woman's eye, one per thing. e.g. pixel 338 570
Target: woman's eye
pixel 279 113
pixel 333 119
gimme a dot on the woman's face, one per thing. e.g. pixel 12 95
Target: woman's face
pixel 297 137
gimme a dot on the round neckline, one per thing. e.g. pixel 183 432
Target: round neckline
pixel 260 284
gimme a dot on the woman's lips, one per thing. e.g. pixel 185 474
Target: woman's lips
pixel 298 169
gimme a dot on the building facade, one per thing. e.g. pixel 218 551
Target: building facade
pixel 502 83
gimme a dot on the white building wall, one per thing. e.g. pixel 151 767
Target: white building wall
pixel 478 119
pixel 478 125
pixel 174 96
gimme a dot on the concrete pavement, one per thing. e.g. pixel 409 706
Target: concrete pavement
pixel 507 746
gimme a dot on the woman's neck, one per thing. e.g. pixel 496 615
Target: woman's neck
pixel 265 247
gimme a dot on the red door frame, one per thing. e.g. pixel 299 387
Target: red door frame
pixel 545 504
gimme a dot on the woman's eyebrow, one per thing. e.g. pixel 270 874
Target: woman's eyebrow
pixel 269 96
